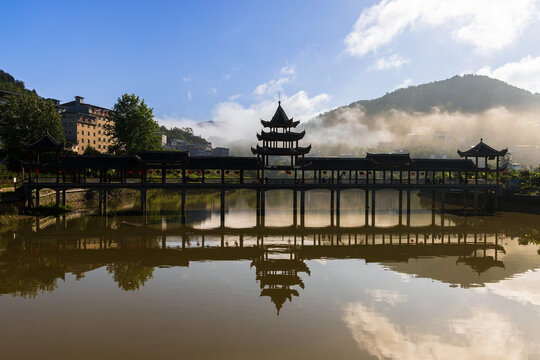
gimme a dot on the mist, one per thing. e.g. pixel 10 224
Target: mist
pixel 353 132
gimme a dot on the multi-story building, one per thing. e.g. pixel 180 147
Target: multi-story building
pixel 84 125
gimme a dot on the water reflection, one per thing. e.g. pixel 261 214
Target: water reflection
pixel 431 289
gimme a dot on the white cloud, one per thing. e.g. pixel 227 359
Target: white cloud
pixel 523 288
pixel 189 95
pixel 235 125
pixel 186 79
pixel 213 90
pixel 404 84
pixel 485 25
pixel 462 338
pixel 288 70
pixel 271 87
pixel 387 296
pixel 525 73
pixel 234 97
pixel 227 76
pixel 393 61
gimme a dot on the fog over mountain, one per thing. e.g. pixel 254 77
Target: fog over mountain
pixel 431 119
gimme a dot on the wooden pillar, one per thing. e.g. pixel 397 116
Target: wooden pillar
pixel 497 172
pixel 241 176
pixel 37 197
pixel 433 207
pixel 476 172
pixel 222 176
pixel 57 198
pixel 263 207
pixel 64 197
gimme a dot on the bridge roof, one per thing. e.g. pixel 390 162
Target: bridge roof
pixel 164 157
pixel 224 162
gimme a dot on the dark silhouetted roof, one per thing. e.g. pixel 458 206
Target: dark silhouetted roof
pixel 224 162
pixel 335 163
pixel 482 150
pixel 164 157
pixel 101 161
pixel 275 136
pixel 389 159
pixel 45 143
pixel 265 150
pixel 443 164
pixel 280 119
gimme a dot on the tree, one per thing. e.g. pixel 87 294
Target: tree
pixel 132 126
pixel 91 151
pixel 24 119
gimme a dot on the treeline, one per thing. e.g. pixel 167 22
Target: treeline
pixel 185 134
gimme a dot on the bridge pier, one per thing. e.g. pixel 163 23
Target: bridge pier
pixel 400 208
pixel 373 208
pixel 332 207
pixel 57 198
pixel 338 206
pixel 433 194
pixel 258 209
pixel 64 197
pixel 366 207
pixel 222 209
pixel 143 202
pixel 183 207
pixel 408 208
pixel 37 197
pixel 295 207
pixel 263 207
pixel 302 208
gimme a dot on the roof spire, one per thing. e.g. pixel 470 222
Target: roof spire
pixel 279 98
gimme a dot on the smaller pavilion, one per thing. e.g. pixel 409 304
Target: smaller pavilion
pixel 482 150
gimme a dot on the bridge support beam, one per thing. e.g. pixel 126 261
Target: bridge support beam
pixel 222 209
pixel 258 209
pixel 64 197
pixel 263 207
pixel 57 198
pixel 366 207
pixel 37 197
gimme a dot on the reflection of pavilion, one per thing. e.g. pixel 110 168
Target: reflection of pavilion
pixel 277 271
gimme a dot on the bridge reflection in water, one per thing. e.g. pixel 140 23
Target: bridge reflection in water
pixel 280 256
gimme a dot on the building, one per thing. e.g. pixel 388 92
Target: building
pixel 528 155
pixel 84 125
pixel 196 149
pixel 280 141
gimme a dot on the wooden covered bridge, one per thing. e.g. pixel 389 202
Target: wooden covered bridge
pixel 267 170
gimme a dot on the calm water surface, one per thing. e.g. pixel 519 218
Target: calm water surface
pixel 446 287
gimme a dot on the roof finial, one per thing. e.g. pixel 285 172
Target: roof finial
pixel 481 140
pixel 279 98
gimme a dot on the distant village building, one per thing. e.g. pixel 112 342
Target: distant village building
pixel 84 125
pixel 527 155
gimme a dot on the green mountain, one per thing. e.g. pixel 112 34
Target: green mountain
pixel 467 93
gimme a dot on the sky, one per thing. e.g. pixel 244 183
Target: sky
pixel 230 61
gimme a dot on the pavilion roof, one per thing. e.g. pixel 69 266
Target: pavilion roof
pixel 280 119
pixel 45 143
pixel 275 136
pixel 265 150
pixel 482 150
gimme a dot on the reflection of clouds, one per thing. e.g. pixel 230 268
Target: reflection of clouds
pixel 387 296
pixel 523 288
pixel 483 335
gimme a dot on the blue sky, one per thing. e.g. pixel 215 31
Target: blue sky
pixel 227 61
